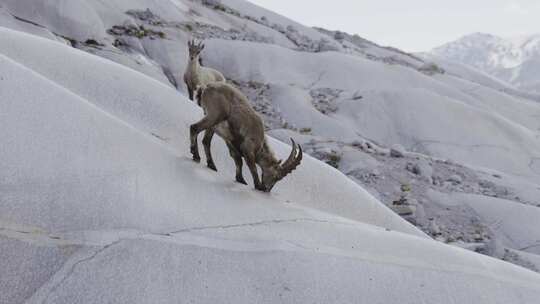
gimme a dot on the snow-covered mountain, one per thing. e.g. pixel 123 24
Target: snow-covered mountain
pixel 100 203
pixel 514 60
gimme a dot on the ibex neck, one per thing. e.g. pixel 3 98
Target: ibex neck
pixel 194 65
pixel 266 155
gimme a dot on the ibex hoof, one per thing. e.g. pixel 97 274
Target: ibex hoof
pixel 241 180
pixel 212 166
pixel 197 158
pixel 261 188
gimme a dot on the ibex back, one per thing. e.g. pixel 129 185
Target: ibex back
pixel 229 114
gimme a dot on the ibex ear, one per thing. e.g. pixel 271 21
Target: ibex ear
pixel 202 47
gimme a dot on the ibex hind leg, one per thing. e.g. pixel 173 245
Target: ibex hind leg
pixel 208 122
pixel 235 154
pixel 207 142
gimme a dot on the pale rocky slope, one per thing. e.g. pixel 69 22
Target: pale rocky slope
pixel 101 203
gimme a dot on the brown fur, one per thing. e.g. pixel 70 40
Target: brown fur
pixel 229 114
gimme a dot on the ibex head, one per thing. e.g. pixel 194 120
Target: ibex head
pixel 195 49
pixel 276 170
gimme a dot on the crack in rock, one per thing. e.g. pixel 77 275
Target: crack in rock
pixel 69 270
pixel 61 239
pixel 530 246
pixel 74 266
pixel 27 21
pixel 254 224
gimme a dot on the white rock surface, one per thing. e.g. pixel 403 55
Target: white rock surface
pixel 100 203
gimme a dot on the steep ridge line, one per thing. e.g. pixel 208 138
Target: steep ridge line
pixel 148 137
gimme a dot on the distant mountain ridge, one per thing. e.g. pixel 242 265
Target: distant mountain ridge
pixel 513 60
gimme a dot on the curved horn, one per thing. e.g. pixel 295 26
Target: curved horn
pixel 294 160
pixel 291 157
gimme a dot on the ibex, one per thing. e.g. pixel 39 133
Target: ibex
pixel 228 113
pixel 197 75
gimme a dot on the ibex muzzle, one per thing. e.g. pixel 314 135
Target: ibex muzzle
pixel 277 171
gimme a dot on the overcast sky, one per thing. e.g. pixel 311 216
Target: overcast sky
pixel 414 25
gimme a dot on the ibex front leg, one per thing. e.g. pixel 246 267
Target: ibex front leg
pixel 250 160
pixel 235 154
pixel 190 91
